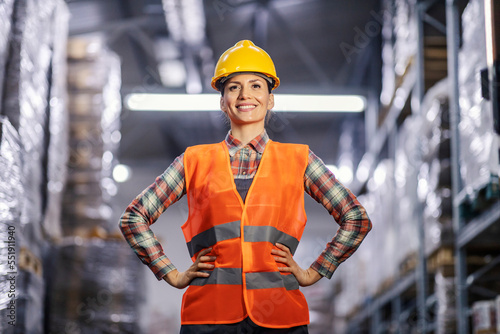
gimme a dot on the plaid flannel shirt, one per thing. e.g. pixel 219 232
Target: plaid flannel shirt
pixel 319 183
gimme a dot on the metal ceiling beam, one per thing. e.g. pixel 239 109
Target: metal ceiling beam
pixel 179 16
pixel 144 52
pixel 129 23
pixel 260 23
pixel 302 52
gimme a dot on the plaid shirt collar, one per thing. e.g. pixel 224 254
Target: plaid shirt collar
pixel 258 143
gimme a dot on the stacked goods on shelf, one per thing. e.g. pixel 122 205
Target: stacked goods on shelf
pixel 406 165
pixel 11 197
pixel 57 126
pixel 94 107
pixel 33 103
pixel 478 141
pixel 388 62
pixel 384 238
pixel 26 102
pixel 399 44
pixel 5 27
pixel 434 178
pixel 405 35
pixel 484 317
pixel 351 276
pixel 96 288
pixel 95 279
pixel 446 314
pixel 360 278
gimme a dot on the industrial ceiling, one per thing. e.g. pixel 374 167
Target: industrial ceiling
pixel 171 46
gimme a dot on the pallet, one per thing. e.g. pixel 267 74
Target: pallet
pixel 442 260
pixel 30 262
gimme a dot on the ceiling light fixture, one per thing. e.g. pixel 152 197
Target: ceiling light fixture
pixel 210 102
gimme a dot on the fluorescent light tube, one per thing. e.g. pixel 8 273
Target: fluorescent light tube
pixel 210 102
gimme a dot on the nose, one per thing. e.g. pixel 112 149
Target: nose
pixel 243 93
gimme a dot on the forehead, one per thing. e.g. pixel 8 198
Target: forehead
pixel 244 77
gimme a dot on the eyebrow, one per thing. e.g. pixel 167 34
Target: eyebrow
pixel 239 82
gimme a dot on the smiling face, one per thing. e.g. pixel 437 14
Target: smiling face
pixel 246 100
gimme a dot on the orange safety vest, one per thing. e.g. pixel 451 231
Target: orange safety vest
pixel 246 280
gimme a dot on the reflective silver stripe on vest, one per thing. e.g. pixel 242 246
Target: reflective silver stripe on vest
pixel 262 280
pixel 268 280
pixel 220 276
pixel 213 235
pixel 270 234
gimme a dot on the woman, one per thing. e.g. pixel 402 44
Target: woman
pixel 246 214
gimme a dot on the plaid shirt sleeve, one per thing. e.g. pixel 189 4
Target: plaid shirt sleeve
pixel 321 184
pixel 145 209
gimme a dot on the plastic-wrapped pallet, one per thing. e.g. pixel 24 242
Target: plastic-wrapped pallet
pixel 388 61
pixel 96 287
pixel 57 146
pixel 446 314
pixel 405 33
pixel 399 44
pixel 26 101
pixel 11 195
pixel 434 179
pixel 360 277
pixel 22 288
pixel 30 82
pixel 405 181
pixel 483 317
pixel 94 79
pixel 478 141
pixel 5 26
pixel 353 276
pixel 384 243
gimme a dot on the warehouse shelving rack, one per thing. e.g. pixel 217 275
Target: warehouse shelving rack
pixel 482 226
pixel 409 302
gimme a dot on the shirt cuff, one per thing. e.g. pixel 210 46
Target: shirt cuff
pixel 161 266
pixel 324 268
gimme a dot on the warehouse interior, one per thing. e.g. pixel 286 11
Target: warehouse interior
pixel 80 138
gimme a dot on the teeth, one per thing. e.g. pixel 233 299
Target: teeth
pixel 246 107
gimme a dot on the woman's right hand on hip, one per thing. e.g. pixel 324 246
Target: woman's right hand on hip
pixel 181 279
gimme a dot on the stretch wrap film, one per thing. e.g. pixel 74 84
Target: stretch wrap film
pixel 361 278
pixel 434 179
pixel 97 287
pixel 11 195
pixel 21 283
pixel 32 154
pixel 5 27
pixel 446 314
pixel 27 92
pixel 352 277
pixel 478 141
pixel 405 181
pixel 382 214
pixel 58 123
pixel 399 44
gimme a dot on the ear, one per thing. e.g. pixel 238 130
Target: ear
pixel 270 102
pixel 223 105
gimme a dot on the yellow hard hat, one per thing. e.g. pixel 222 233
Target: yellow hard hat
pixel 244 56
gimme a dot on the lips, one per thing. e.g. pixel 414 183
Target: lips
pixel 244 107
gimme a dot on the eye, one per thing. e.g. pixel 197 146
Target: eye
pixel 256 85
pixel 232 87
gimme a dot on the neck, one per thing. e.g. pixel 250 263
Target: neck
pixel 246 133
